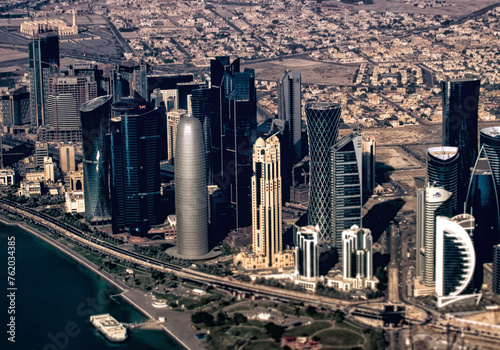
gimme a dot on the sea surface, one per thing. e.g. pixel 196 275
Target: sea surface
pixel 55 297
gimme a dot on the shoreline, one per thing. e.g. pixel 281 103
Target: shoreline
pixel 93 268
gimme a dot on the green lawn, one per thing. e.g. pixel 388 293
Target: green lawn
pixel 238 308
pixel 307 330
pixel 259 345
pixel 247 332
pixel 336 337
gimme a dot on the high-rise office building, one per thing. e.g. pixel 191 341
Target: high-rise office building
pixel 41 151
pixel 95 119
pixel 173 119
pixel 290 109
pixel 43 62
pixel 133 149
pixel 67 158
pixel 279 128
pixel 357 255
pixel 48 169
pixel 234 123
pixel 201 110
pixel 431 203
pixel 267 229
pixel 134 78
pixel 15 107
pixel 66 94
pixel 482 202
pixel 322 127
pixel 455 259
pixel 346 186
pixel 489 139
pixel 191 196
pixel 442 171
pixel 460 117
pixel 306 239
pixel 369 152
pixel 156 98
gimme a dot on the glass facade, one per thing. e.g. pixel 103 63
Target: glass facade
pixel 43 58
pixel 191 196
pixel 442 171
pixel 431 202
pixel 455 256
pixel 95 119
pixel 322 127
pixel 306 251
pixel 460 117
pixel 482 202
pixel 489 139
pixel 346 186
pixel 133 148
pixel 290 109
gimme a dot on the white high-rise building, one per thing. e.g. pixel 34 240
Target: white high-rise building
pixel 357 256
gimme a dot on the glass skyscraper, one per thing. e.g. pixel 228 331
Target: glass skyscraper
pixel 290 109
pixel 346 186
pixel 233 124
pixel 43 51
pixel 489 139
pixel 191 196
pixel 442 171
pixel 95 119
pixel 133 148
pixel 460 117
pixel 482 202
pixel 431 203
pixel 322 127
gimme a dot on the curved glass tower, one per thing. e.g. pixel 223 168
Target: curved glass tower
pixel 482 202
pixel 455 258
pixel 489 139
pixel 95 119
pixel 460 117
pixel 442 171
pixel 322 127
pixel 191 196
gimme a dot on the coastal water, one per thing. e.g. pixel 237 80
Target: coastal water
pixel 55 297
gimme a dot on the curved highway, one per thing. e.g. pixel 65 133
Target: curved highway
pixel 73 234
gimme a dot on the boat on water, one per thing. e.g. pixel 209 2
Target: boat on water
pixel 112 329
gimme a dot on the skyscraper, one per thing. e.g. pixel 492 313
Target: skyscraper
pixel 41 151
pixel 173 119
pixel 290 108
pixel 489 138
pixel 234 117
pixel 306 241
pixel 201 110
pixel 482 202
pixel 346 186
pixel 460 117
pixel 95 119
pixel 66 94
pixel 357 255
pixel 43 61
pixel 369 161
pixel 133 149
pixel 431 203
pixel 266 200
pixel 15 107
pixel 442 171
pixel 67 158
pixel 322 126
pixel 191 196
pixel 455 258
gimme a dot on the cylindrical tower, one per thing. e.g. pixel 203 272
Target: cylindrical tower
pixel 442 171
pixel 191 196
pixel 95 119
pixel 322 127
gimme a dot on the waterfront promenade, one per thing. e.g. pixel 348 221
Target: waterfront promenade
pixel 177 324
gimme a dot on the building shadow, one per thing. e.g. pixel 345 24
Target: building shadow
pixel 380 216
